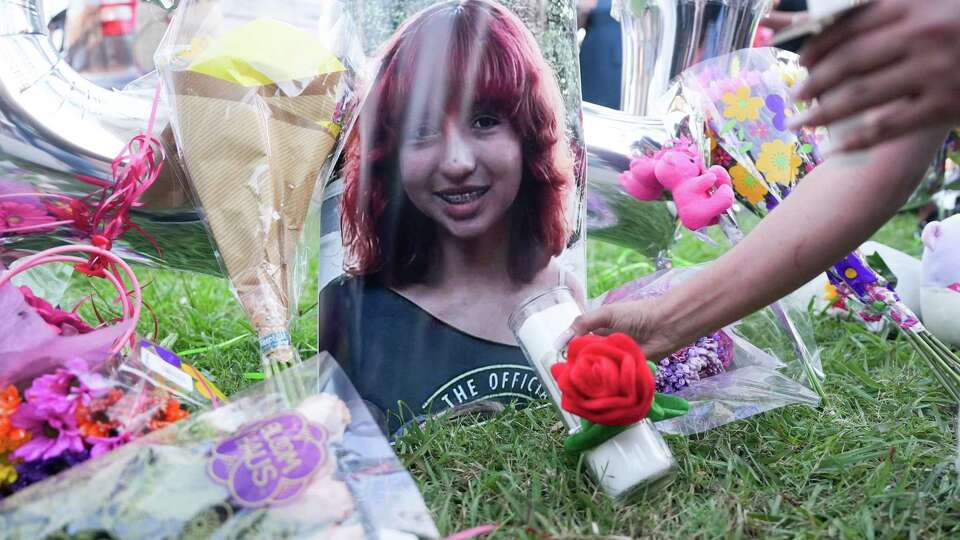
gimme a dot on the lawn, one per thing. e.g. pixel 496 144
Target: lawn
pixel 876 461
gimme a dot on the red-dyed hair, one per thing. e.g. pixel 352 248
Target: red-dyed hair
pixel 466 50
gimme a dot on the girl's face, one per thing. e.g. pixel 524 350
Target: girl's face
pixel 462 169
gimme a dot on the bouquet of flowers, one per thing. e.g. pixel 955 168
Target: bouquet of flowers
pixel 746 103
pixel 67 394
pixel 262 95
pixel 734 373
pixel 258 467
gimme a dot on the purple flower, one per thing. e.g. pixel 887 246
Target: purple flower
pixel 52 432
pixel 102 445
pixel 708 356
pixel 32 472
pixel 51 391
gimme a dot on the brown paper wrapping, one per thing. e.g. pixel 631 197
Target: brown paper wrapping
pixel 253 156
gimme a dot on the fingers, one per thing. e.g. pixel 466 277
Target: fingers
pixel 872 16
pixel 904 117
pixel 778 20
pixel 597 321
pixel 850 60
pixel 860 94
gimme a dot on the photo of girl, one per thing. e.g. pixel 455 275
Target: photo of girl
pixel 458 185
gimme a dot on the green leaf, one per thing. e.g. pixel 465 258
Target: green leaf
pixel 727 126
pixel 666 406
pixel 879 266
pixel 806 148
pixel 590 436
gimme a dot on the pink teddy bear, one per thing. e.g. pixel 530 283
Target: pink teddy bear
pixel 701 196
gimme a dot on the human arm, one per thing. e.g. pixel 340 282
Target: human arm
pixel 899 52
pixel 836 207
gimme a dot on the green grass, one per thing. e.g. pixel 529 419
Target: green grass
pixel 876 462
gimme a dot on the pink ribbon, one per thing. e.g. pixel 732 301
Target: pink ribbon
pixel 473 532
pixel 134 170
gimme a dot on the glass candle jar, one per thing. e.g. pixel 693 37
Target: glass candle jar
pixel 634 458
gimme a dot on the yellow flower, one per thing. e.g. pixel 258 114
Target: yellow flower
pixel 746 185
pixel 779 162
pixel 8 474
pixel 741 105
pixel 830 292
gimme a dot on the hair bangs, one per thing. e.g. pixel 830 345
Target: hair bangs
pixel 458 61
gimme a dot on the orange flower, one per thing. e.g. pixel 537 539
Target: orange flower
pixel 746 185
pixel 170 413
pixel 11 438
pixel 88 426
pixel 9 400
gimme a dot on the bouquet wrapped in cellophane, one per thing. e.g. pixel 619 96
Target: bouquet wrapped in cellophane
pixel 261 466
pixel 72 391
pixel 681 165
pixel 745 369
pixel 745 100
pixel 262 94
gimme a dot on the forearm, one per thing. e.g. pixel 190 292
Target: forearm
pixel 838 206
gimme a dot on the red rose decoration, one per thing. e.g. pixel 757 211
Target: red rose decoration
pixel 605 380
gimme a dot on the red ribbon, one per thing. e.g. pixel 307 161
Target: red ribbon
pixel 134 170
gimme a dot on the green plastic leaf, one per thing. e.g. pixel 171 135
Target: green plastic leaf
pixel 879 266
pixel 590 436
pixel 666 406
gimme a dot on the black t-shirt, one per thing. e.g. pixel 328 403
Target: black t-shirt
pixel 394 351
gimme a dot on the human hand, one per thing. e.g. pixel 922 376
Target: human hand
pixel 643 320
pixel 896 59
pixel 778 20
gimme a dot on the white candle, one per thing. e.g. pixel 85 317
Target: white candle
pixel 633 458
pixel 539 337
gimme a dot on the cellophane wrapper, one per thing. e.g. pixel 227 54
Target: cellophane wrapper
pixel 765 372
pixel 126 396
pixel 204 477
pixel 262 96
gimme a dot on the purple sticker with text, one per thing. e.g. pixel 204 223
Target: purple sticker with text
pixel 270 461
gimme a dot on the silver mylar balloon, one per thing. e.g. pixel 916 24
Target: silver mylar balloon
pixel 57 128
pixel 661 38
pixel 613 138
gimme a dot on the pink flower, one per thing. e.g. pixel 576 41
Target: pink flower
pixel 718 88
pixel 954 287
pixel 50 393
pixel 51 434
pixel 759 130
pixel 64 321
pixel 15 214
pixel 751 77
pixel 707 75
